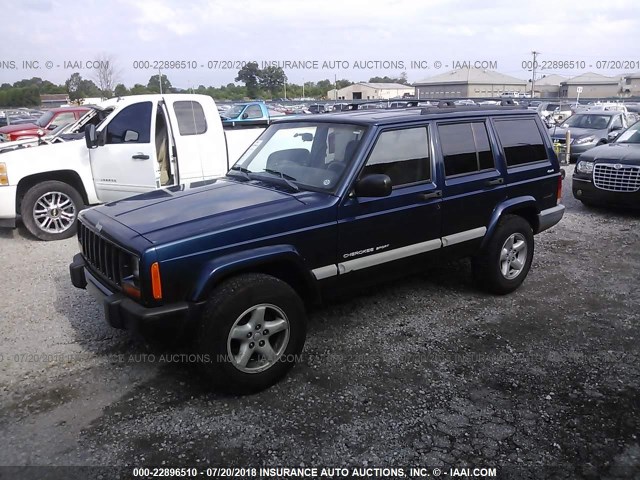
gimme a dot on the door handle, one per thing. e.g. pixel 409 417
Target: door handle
pixel 497 181
pixel 140 156
pixel 427 196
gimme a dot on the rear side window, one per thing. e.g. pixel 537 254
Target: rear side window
pixel 131 125
pixel 465 148
pixel 521 141
pixel 403 155
pixel 191 119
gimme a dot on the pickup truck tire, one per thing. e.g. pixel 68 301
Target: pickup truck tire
pixel 504 262
pixel 252 330
pixel 50 210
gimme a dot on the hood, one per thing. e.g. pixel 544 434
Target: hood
pixel 624 153
pixel 19 127
pixel 575 132
pixel 181 212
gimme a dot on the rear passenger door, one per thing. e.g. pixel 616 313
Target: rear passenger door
pixel 379 231
pixel 528 159
pixel 473 183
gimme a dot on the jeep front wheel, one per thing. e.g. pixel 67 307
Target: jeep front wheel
pixel 252 331
pixel 50 210
pixel 504 262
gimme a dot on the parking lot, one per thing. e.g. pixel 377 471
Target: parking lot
pixel 427 371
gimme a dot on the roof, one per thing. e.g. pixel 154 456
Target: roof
pixel 52 97
pixel 592 79
pixel 472 75
pixel 385 86
pixel 387 117
pixel 554 79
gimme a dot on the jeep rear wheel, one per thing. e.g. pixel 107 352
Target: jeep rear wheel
pixel 50 210
pixel 252 330
pixel 504 262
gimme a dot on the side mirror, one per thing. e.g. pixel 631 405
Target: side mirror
pixel 616 127
pixel 613 135
pixel 245 115
pixel 90 136
pixel 375 185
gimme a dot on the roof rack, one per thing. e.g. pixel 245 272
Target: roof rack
pixel 449 106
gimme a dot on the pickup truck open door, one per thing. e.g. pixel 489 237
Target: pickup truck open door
pixel 126 164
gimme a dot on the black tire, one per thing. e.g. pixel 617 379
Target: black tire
pixel 226 307
pixel 64 191
pixel 487 264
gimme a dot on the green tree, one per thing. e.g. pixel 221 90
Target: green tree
pixel 272 79
pixel 138 89
pixel 154 84
pixel 73 86
pixel 120 90
pixel 250 75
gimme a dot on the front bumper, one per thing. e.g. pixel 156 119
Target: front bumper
pixel 8 206
pixel 122 312
pixel 584 189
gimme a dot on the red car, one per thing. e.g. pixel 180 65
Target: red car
pixel 49 121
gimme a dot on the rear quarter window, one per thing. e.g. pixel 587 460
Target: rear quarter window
pixel 521 141
pixel 191 119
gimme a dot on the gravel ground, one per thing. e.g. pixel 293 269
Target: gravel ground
pixel 427 371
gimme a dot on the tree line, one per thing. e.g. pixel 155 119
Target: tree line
pixel 251 83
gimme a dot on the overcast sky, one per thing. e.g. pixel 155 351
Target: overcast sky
pixel 431 31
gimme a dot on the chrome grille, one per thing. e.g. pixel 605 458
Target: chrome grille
pixel 103 256
pixel 616 177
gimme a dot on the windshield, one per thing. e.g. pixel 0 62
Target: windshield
pixel 594 122
pixel 630 135
pixel 234 111
pixel 310 155
pixel 44 120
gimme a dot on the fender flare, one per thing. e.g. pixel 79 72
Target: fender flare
pixel 504 208
pixel 215 270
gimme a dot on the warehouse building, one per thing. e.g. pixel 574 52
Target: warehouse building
pixel 371 91
pixel 549 86
pixel 469 83
pixel 593 85
pixel 630 85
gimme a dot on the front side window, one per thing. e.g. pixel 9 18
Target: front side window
pixel 521 141
pixel 465 148
pixel 402 155
pixel 253 111
pixel 311 155
pixel 191 119
pixel 131 125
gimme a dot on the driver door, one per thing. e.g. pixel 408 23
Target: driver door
pixel 126 164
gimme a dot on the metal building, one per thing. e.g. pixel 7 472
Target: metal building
pixel 469 83
pixel 371 91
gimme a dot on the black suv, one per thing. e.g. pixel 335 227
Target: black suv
pixel 317 205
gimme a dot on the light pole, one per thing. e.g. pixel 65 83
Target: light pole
pixel 533 75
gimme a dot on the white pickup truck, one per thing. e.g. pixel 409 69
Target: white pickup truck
pixel 147 142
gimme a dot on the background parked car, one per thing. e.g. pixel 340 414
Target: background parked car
pixel 50 120
pixel 588 130
pixel 610 174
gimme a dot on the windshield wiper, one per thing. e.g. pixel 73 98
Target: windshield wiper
pixel 241 172
pixel 281 176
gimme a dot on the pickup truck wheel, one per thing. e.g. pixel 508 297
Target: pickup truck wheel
pixel 252 330
pixel 504 262
pixel 50 210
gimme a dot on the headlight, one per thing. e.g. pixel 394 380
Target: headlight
pixel 584 167
pixel 4 177
pixel 583 140
pixel 131 280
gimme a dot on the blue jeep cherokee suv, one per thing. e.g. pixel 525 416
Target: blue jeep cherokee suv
pixel 316 205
